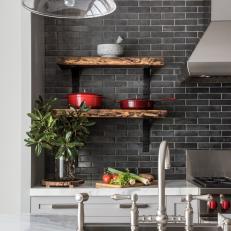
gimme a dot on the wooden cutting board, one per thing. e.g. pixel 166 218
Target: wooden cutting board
pixel 64 183
pixel 102 185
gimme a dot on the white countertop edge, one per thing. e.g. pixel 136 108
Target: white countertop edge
pixel 173 187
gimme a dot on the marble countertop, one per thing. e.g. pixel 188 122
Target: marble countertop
pixel 37 223
pixel 50 223
pixel 173 187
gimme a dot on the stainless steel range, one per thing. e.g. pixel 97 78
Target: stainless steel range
pixel 211 171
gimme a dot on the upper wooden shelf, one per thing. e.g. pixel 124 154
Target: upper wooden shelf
pixel 117 113
pixel 122 62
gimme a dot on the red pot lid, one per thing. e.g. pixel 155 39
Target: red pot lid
pixel 137 100
pixel 84 93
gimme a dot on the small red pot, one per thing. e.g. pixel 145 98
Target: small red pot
pixel 136 104
pixel 91 100
pixel 140 104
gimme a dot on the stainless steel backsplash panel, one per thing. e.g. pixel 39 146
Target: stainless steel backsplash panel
pixel 208 163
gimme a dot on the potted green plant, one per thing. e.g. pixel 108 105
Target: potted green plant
pixel 63 135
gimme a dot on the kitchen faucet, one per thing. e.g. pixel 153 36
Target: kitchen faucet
pixel 161 218
pixel 163 163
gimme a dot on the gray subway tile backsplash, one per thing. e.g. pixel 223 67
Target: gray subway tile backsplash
pixel 198 119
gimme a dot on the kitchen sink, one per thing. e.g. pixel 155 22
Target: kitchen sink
pixel 103 227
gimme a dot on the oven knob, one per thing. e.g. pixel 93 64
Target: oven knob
pixel 212 204
pixel 225 204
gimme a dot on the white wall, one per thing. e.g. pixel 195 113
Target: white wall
pixel 221 10
pixel 15 102
pixel 26 87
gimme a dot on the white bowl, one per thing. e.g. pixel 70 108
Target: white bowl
pixel 110 50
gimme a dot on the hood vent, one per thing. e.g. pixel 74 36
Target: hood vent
pixel 212 56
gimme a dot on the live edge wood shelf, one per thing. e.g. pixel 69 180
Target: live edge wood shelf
pixel 117 113
pixel 126 62
pixel 148 64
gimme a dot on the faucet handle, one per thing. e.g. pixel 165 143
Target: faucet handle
pixel 133 197
pixel 190 197
pixel 206 197
pixel 118 197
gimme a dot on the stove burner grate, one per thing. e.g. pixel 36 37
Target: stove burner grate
pixel 213 182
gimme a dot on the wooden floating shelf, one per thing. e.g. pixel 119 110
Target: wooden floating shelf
pixel 122 62
pixel 117 113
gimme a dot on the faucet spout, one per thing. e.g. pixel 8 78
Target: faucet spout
pixel 163 163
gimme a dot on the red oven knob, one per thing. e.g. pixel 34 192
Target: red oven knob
pixel 225 204
pixel 212 204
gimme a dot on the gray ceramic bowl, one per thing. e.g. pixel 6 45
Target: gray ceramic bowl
pixel 110 50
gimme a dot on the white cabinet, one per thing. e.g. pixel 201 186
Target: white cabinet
pixel 97 209
pixel 102 209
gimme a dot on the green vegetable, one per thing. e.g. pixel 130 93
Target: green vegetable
pixel 122 179
pixel 131 175
pixel 132 181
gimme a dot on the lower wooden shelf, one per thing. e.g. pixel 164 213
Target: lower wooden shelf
pixel 118 113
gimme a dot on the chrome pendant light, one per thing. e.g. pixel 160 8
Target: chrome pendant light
pixel 73 9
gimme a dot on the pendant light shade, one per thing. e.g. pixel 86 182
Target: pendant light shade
pixel 73 9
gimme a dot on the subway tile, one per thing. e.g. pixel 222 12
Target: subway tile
pixel 209 133
pixel 209 145
pixel 165 9
pixel 150 3
pixel 186 145
pixel 150 16
pixel 185 9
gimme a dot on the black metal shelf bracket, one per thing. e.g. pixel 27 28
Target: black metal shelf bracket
pixel 75 79
pixel 147 82
pixel 147 124
pixel 147 75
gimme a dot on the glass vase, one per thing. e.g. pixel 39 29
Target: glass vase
pixel 66 169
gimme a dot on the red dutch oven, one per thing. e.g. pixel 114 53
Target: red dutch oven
pixel 139 104
pixel 91 100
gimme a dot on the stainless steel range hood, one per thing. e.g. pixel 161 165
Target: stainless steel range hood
pixel 212 56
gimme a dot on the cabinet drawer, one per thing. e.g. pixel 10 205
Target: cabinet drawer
pixel 117 210
pixel 95 207
pixel 54 205
pixel 107 220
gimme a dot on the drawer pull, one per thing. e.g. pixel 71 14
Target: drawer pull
pixel 64 206
pixel 139 206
